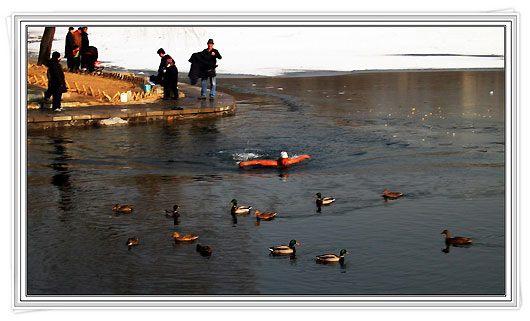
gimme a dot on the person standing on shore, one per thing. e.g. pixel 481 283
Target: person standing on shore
pixel 208 59
pixel 69 46
pixel 56 82
pixel 168 75
pixel 85 43
pixel 77 48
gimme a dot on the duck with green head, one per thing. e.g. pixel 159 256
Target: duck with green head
pixel 284 249
pixel 239 210
pixel 174 212
pixel 323 200
pixel 325 258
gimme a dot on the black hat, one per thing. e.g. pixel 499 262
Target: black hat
pixel 160 51
pixel 71 28
pixel 210 41
pixel 55 55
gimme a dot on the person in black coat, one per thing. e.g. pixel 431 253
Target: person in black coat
pixel 56 82
pixel 69 46
pixel 208 61
pixel 168 75
pixel 195 68
pixel 85 43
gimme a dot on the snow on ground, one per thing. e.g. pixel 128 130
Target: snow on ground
pixel 274 50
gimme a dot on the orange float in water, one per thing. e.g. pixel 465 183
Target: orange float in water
pixel 284 160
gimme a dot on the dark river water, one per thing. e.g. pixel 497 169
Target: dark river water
pixel 438 137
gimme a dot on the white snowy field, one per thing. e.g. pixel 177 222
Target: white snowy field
pixel 271 50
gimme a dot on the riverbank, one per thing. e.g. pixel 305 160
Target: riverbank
pixel 97 100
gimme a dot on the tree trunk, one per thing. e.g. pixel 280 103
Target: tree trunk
pixel 46 46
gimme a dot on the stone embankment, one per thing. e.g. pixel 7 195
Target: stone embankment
pixel 115 98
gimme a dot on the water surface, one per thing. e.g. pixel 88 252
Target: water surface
pixel 438 137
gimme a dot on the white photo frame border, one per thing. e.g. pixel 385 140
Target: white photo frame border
pixel 510 22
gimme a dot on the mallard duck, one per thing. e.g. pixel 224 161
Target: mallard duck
pixel 239 209
pixel 204 250
pixel 174 212
pixel 186 237
pixel 323 200
pixel 122 208
pixel 132 241
pixel 457 240
pixel 387 194
pixel 267 216
pixel 332 257
pixel 284 249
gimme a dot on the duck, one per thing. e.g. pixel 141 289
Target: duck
pixel 267 216
pixel 239 209
pixel 132 241
pixel 122 208
pixel 457 240
pixel 185 237
pixel 387 194
pixel 174 212
pixel 323 200
pixel 284 249
pixel 332 257
pixel 204 250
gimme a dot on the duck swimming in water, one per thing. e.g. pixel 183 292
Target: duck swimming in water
pixel 457 240
pixel 235 210
pixel 122 208
pixel 185 237
pixel 284 249
pixel 132 241
pixel 174 212
pixel 204 250
pixel 323 200
pixel 391 195
pixel 332 257
pixel 266 216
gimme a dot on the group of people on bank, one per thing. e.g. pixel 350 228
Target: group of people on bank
pixel 80 54
pixel 203 65
pixel 77 50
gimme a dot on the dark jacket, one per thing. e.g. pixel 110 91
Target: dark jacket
pixel 69 45
pixel 56 83
pixel 84 42
pixel 195 68
pixel 167 71
pixel 209 62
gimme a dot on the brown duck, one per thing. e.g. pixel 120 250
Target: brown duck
pixel 457 240
pixel 387 194
pixel 266 216
pixel 186 237
pixel 132 241
pixel 123 208
pixel 204 250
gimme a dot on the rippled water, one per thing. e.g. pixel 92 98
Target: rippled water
pixel 438 137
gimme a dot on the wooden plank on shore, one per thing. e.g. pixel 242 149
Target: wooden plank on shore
pixel 106 96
